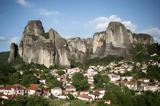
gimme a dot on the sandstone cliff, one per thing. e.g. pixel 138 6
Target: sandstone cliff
pixel 43 48
pixel 79 48
pixel 49 48
pixel 142 38
pixel 13 52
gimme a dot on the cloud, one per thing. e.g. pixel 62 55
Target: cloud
pixel 14 39
pixel 101 23
pixel 6 42
pixel 155 32
pixel 23 3
pixel 2 38
pixel 45 12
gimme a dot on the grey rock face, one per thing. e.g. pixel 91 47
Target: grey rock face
pixel 37 49
pixel 13 52
pixel 79 48
pixel 34 27
pixel 114 41
pixel 50 48
pixel 142 38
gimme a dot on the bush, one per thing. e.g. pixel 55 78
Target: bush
pixel 70 96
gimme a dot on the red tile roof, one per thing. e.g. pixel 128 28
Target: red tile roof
pixel 33 87
pixel 85 96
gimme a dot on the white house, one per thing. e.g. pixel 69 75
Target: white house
pixel 56 91
pixel 114 77
pixel 85 97
pixel 128 78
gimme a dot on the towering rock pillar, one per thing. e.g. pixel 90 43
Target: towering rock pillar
pixel 43 48
pixel 13 52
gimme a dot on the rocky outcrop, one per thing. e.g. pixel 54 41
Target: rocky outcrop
pixel 117 34
pixel 79 48
pixel 34 27
pixel 116 40
pixel 43 48
pixel 142 38
pixel 49 48
pixel 13 52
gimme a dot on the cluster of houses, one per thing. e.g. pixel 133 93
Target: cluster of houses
pixel 82 95
pixel 116 70
pixel 68 88
pixel 11 91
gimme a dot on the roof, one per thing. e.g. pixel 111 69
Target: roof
pixel 8 96
pixel 85 96
pixel 33 87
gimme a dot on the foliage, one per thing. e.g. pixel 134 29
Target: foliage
pixel 80 82
pixel 61 72
pixel 52 82
pixel 70 96
pixel 99 80
pixel 103 61
pixel 5 71
pixel 14 78
pixel 29 78
pixel 46 35
pixel 26 101
pixel 141 53
pixel 79 103
pixel 153 72
pixel 96 61
pixel 4 57
pixel 101 103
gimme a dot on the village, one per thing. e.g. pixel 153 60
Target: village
pixel 116 72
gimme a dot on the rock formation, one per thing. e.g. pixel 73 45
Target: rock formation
pixel 114 41
pixel 142 38
pixel 49 48
pixel 79 48
pixel 43 48
pixel 13 52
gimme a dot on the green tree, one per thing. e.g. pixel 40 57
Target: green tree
pixel 61 72
pixel 5 71
pixel 29 79
pixel 52 82
pixel 100 80
pixel 80 82
pixel 70 96
pixel 14 78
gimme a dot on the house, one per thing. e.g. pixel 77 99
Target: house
pixel 56 91
pixel 131 85
pixel 91 72
pixel 128 78
pixel 32 89
pixel 12 90
pixel 97 94
pixel 83 92
pixel 62 97
pixel 107 101
pixel 70 89
pixel 3 96
pixel 85 97
pixel 114 77
pixel 72 71
pixel 42 81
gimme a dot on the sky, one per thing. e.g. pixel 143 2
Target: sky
pixel 72 18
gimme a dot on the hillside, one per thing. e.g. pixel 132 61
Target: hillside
pixel 4 57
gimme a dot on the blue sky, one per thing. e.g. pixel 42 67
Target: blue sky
pixel 72 18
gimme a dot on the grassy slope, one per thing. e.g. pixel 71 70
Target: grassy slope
pixel 3 57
